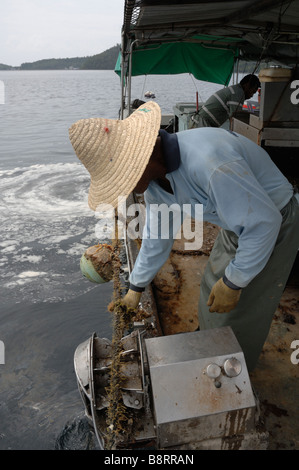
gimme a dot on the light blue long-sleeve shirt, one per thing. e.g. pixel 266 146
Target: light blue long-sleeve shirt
pixel 239 188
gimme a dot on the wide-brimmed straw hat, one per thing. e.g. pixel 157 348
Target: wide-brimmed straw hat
pixel 116 152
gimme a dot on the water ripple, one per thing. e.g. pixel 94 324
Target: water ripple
pixel 58 190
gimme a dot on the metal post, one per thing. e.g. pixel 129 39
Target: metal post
pixel 130 75
pixel 122 76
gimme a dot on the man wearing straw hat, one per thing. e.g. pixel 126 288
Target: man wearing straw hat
pixel 240 189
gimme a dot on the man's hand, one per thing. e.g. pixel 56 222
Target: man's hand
pixel 222 298
pixel 130 300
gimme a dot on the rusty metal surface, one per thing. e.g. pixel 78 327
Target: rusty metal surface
pixel 172 298
pixel 176 286
pixel 276 377
pixel 148 302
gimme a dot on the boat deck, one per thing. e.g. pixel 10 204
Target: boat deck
pixel 276 377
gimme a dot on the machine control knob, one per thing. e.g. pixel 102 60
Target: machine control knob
pixel 232 367
pixel 213 371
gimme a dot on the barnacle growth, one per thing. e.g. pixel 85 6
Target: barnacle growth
pixel 116 418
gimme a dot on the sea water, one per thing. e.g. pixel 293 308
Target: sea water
pixel 47 308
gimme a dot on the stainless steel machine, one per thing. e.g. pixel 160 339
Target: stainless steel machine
pixel 183 391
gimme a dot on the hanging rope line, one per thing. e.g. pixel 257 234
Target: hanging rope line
pixel 116 416
pixel 196 89
pixel 142 93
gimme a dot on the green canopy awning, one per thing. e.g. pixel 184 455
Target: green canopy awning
pixel 204 62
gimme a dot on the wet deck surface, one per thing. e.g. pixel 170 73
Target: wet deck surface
pixel 177 284
pixel 276 377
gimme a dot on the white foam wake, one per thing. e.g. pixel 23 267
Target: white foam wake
pixel 46 225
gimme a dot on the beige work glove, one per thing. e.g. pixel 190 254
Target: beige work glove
pixel 130 300
pixel 222 298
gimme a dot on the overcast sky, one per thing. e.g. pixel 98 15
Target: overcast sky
pixel 31 30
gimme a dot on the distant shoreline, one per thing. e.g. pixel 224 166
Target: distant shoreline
pixel 17 69
pixel 104 61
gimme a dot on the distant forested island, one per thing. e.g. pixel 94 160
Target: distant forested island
pixel 103 61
